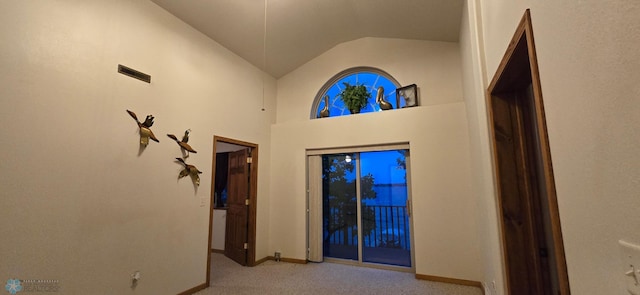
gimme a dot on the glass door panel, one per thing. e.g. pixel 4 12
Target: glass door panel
pixel 339 206
pixel 384 217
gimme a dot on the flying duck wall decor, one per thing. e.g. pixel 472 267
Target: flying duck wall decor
pixel 189 170
pixel 145 128
pixel 184 146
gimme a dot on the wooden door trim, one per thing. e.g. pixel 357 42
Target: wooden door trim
pixel 497 85
pixel 253 201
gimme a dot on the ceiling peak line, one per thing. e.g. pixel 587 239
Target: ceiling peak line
pixel 299 31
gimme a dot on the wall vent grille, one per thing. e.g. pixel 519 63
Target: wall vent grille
pixel 134 74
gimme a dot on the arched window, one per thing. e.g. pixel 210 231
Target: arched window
pixel 370 77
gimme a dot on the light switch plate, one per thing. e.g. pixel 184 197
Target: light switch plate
pixel 630 255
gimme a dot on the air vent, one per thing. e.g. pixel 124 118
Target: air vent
pixel 133 73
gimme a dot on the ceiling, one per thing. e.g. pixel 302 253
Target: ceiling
pixel 300 30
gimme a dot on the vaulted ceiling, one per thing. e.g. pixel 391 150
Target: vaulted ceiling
pixel 300 30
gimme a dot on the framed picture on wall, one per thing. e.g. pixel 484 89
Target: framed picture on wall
pixel 407 96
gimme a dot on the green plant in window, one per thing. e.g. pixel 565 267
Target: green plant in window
pixel 355 97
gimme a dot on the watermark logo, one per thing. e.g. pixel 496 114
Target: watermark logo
pixel 13 286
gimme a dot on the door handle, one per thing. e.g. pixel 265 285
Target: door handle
pixel 408 205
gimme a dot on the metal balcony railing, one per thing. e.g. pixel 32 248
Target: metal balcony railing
pixel 388 227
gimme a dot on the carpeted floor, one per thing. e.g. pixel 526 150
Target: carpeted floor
pixel 272 277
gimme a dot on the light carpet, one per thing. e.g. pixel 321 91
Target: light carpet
pixel 228 277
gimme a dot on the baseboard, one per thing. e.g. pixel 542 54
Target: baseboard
pixel 263 260
pixel 283 259
pixel 194 289
pixel 292 260
pixel 450 281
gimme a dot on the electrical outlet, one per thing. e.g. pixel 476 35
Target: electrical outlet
pixel 630 255
pixel 203 201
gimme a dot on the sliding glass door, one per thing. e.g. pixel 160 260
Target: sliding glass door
pixel 385 216
pixel 365 206
pixel 340 207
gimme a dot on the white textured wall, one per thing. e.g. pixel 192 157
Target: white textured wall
pixel 588 59
pixel 474 85
pixel 445 212
pixel 79 204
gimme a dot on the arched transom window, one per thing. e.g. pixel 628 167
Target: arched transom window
pixel 370 77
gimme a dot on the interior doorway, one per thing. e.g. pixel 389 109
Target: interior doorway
pixel 234 191
pixel 527 206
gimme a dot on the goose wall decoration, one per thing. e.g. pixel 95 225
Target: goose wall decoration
pixel 183 143
pixel 189 170
pixel 145 128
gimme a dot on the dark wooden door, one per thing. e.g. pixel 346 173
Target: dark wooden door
pixel 530 222
pixel 517 201
pixel 237 212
